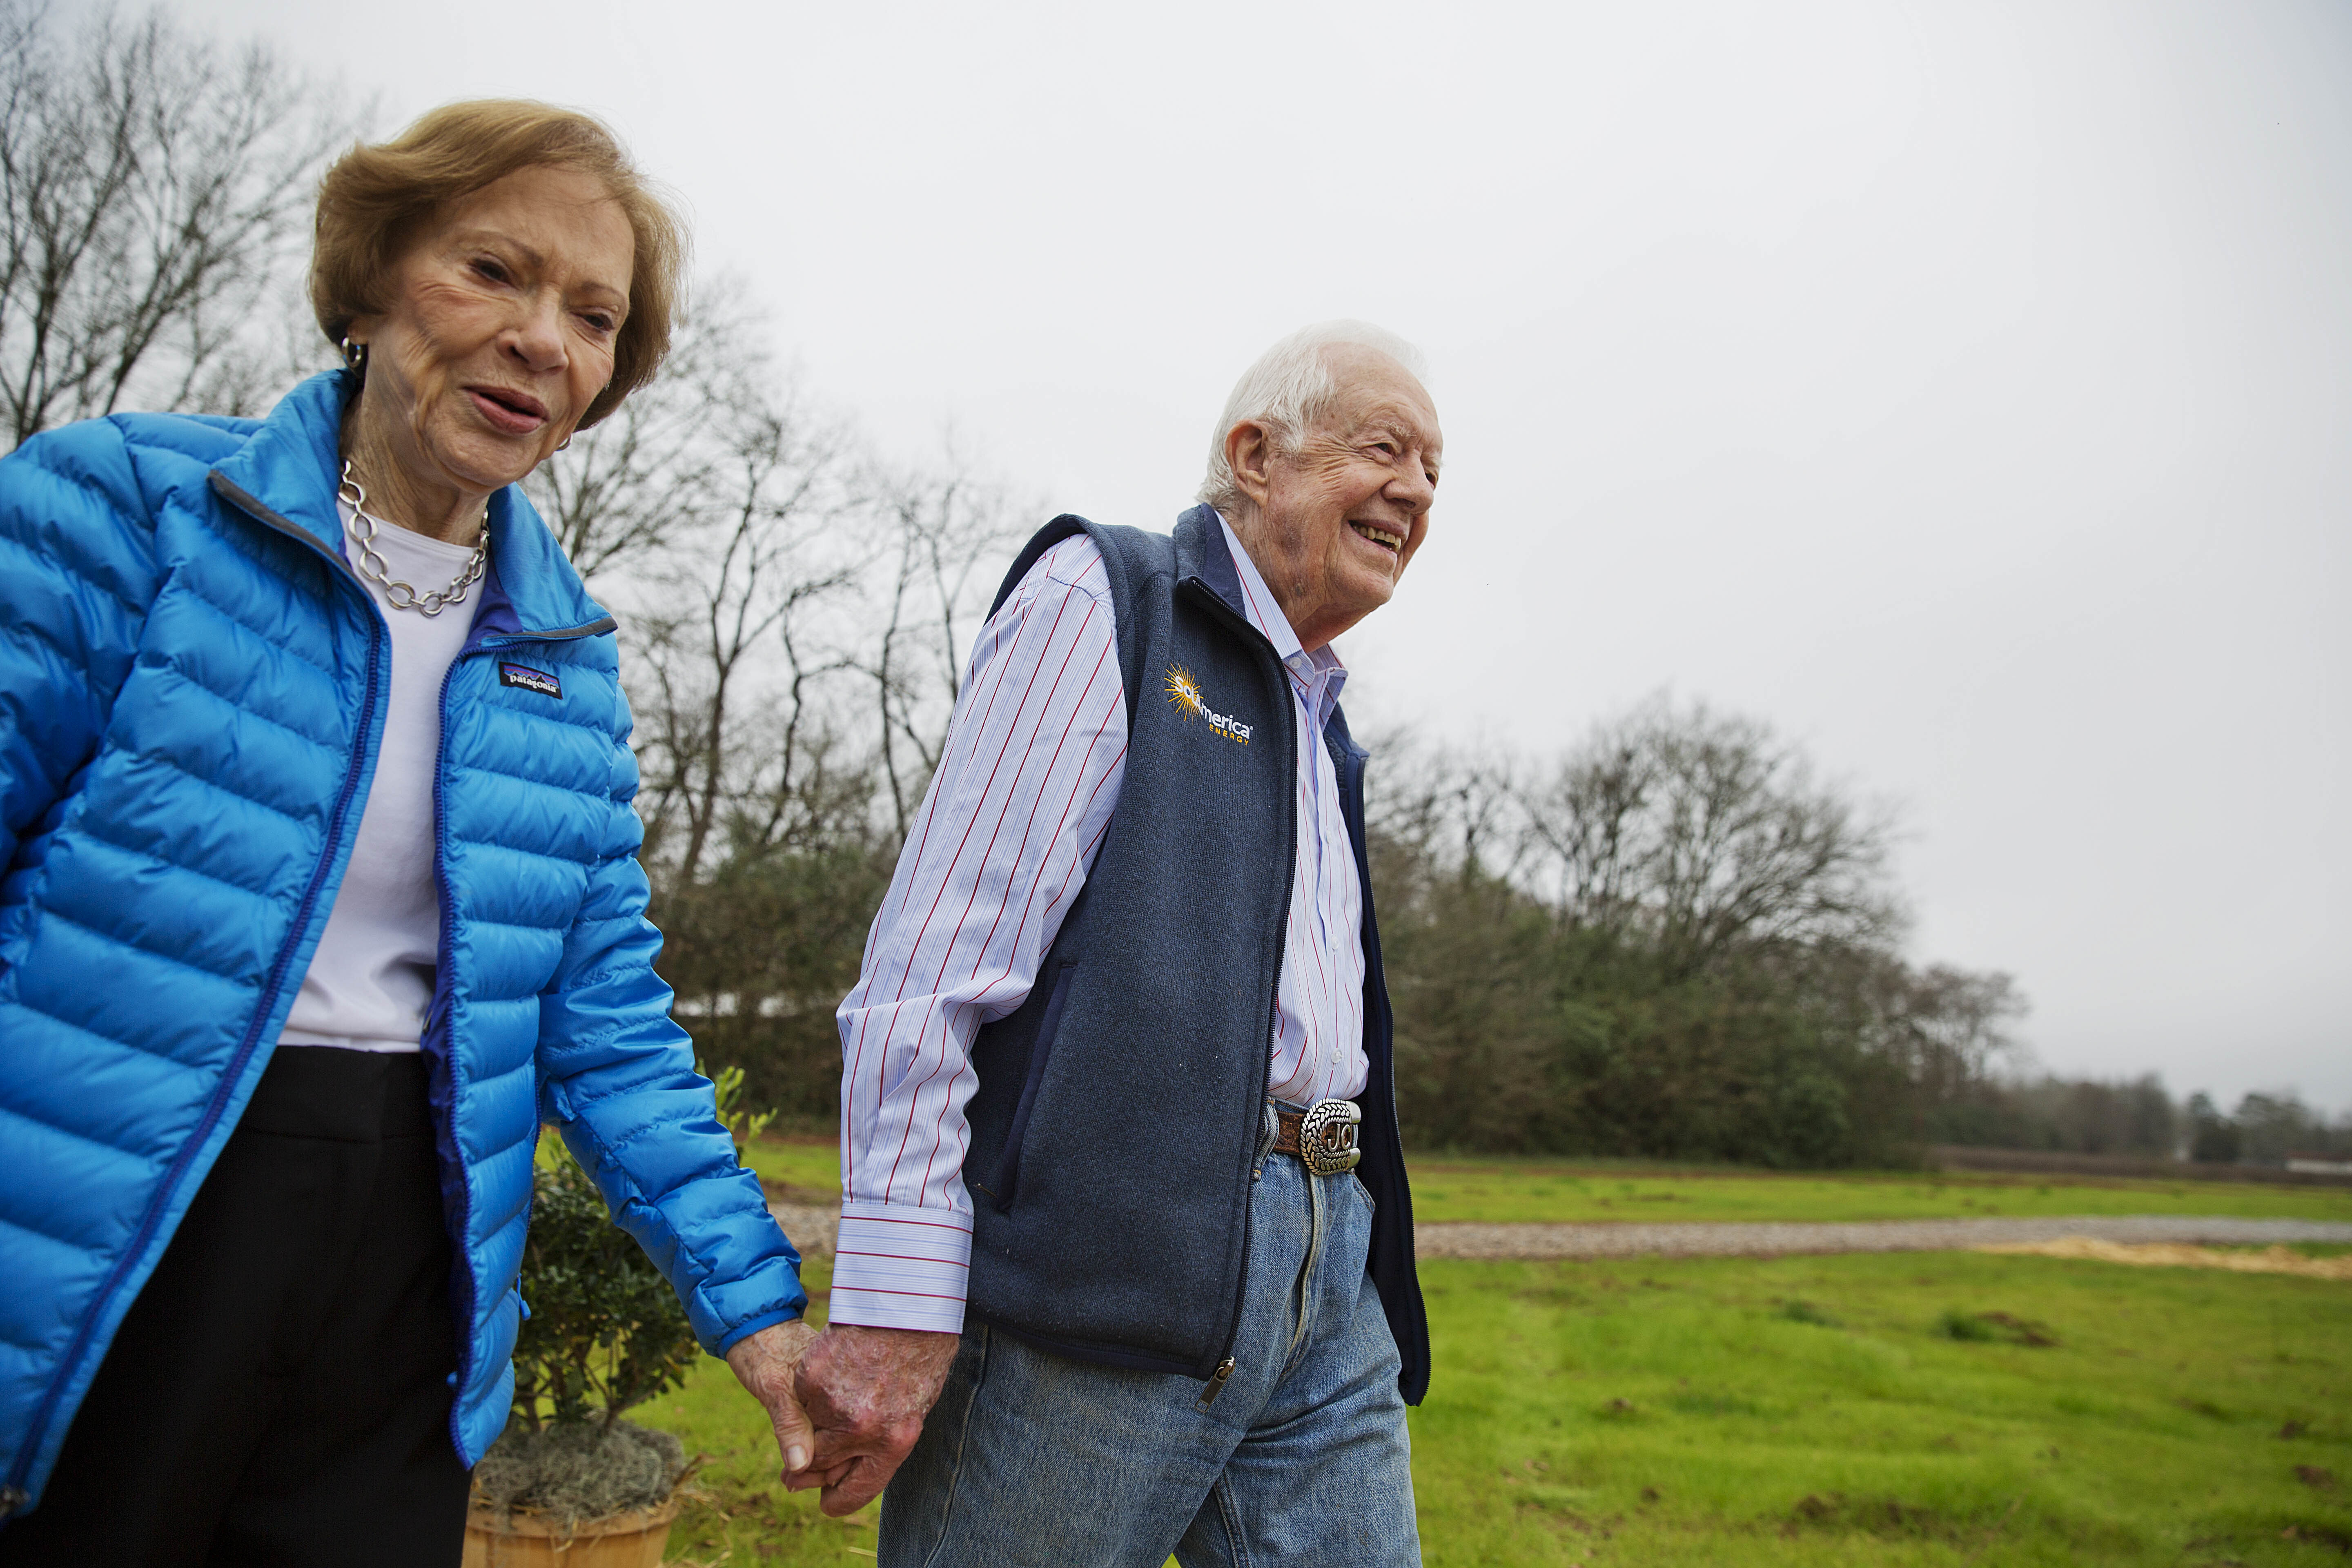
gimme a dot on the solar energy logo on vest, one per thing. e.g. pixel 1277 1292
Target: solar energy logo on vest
pixel 529 680
pixel 1185 694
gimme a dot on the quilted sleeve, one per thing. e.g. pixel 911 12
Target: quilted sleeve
pixel 77 574
pixel 619 1078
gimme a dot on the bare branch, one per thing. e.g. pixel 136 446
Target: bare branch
pixel 155 194
pixel 1705 835
pixel 947 525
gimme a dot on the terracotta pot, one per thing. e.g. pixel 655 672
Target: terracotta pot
pixel 631 1539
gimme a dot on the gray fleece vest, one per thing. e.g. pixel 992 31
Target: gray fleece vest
pixel 1117 1113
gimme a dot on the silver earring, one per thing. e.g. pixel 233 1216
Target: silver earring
pixel 355 357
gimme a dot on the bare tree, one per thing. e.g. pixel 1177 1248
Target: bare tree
pixel 1457 805
pixel 1948 1029
pixel 1707 835
pixel 154 192
pixel 796 610
pixel 734 644
pixel 946 528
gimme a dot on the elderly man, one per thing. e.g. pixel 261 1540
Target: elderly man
pixel 1121 1036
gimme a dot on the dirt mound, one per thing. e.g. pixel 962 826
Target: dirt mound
pixel 2173 1255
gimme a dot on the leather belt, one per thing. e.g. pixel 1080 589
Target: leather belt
pixel 1323 1135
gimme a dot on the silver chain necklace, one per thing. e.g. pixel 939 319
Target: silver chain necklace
pixel 377 570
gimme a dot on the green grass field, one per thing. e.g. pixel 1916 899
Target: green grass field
pixel 1803 1410
pixel 1557 1191
pixel 1567 1191
pixel 1819 1410
pixel 808 1163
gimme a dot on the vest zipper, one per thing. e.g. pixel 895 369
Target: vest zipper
pixel 1217 1380
pixel 1224 1368
pixel 12 1494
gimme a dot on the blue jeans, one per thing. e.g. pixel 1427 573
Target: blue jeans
pixel 1032 1457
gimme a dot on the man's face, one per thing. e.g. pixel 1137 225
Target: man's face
pixel 1337 520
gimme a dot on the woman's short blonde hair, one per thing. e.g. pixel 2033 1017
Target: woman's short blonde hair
pixel 376 198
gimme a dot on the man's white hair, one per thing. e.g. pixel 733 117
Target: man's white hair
pixel 1288 389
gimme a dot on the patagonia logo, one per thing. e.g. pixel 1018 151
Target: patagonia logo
pixel 529 680
pixel 1185 692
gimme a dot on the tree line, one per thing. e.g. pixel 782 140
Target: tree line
pixel 1674 939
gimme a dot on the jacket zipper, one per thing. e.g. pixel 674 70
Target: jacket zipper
pixel 1223 1371
pixel 463 1376
pixel 465 1260
pixel 13 1495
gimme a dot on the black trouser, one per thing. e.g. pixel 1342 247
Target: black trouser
pixel 280 1393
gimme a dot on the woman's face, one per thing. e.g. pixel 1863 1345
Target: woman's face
pixel 500 329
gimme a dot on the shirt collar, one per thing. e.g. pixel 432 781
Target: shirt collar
pixel 1320 674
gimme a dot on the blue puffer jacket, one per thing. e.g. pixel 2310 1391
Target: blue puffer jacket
pixel 192 691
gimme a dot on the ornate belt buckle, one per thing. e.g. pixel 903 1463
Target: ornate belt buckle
pixel 1326 1137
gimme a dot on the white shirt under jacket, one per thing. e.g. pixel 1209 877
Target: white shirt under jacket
pixel 370 980
pixel 1034 756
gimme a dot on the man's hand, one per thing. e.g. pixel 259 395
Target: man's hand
pixel 764 1362
pixel 867 1391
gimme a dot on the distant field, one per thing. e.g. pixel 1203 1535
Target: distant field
pixel 1529 1190
pixel 809 1163
pixel 1805 1410
pixel 1526 1191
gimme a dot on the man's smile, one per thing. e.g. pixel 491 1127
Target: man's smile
pixel 1386 538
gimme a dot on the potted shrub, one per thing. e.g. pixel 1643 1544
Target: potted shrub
pixel 570 1482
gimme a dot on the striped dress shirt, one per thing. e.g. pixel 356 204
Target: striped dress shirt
pixel 1024 791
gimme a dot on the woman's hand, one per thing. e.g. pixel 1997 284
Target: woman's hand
pixel 766 1364
pixel 868 1391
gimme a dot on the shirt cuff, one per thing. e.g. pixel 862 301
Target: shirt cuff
pixel 896 1266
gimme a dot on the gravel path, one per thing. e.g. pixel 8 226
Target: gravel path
pixel 1757 1240
pixel 811 1230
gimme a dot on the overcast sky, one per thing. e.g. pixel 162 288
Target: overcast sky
pixel 1966 389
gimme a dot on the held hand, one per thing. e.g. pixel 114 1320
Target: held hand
pixel 867 1391
pixel 764 1363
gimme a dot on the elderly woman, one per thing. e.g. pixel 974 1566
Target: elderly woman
pixel 321 895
